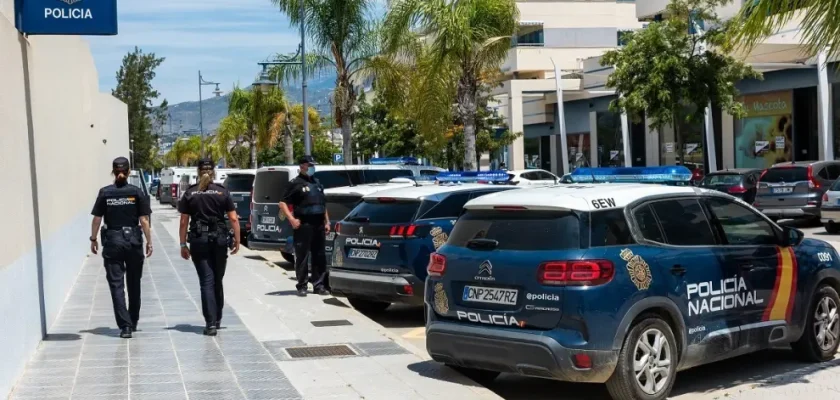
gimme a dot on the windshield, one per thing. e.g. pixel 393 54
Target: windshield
pixel 785 174
pixel 269 186
pixel 396 212
pixel 239 183
pixel 338 206
pixel 352 177
pixel 722 179
pixel 520 230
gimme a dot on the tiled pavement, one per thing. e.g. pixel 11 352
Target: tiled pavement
pixel 169 358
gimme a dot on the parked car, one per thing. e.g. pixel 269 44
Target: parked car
pixel 795 189
pixel 153 188
pixel 830 208
pixel 532 177
pixel 740 183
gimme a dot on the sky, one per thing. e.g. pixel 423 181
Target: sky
pixel 223 38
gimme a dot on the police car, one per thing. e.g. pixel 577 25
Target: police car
pixel 382 246
pixel 624 284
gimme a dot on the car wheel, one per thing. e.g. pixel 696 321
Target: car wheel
pixel 647 363
pixel 821 337
pixel 832 228
pixel 368 306
pixel 479 376
pixel 290 258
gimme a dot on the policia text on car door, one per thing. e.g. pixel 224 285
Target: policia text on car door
pixel 123 207
pixel 203 208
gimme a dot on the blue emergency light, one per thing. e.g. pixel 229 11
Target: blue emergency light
pixel 673 175
pixel 473 177
pixel 394 160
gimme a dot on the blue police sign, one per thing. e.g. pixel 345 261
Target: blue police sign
pixel 338 158
pixel 66 17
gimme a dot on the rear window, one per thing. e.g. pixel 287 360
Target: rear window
pixel 239 183
pixel 384 175
pixel 835 186
pixel 269 186
pixel 530 230
pixel 339 206
pixel 609 228
pixel 333 179
pixel 372 211
pixel 722 179
pixel 788 174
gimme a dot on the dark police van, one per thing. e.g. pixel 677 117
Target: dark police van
pixel 240 184
pixel 624 284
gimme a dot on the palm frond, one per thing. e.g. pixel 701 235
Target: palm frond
pixel 819 21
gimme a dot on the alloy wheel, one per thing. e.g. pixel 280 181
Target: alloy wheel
pixel 652 361
pixel 826 323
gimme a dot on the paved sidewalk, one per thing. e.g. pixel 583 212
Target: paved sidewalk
pixel 264 326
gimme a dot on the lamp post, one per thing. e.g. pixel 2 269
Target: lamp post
pixel 131 150
pixel 217 92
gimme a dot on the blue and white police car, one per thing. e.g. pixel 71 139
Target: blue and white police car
pixel 624 284
pixel 383 245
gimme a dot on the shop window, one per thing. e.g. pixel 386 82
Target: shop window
pixel 765 136
pixel 579 152
pixel 532 152
pixel 835 112
pixel 691 133
pixel 610 144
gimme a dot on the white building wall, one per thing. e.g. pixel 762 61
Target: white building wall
pixel 71 118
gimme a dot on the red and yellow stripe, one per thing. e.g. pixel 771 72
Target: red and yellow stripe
pixel 784 291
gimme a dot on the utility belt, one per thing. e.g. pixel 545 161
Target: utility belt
pixel 211 232
pixel 127 235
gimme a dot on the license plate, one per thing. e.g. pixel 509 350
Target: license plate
pixel 783 190
pixel 237 198
pixel 331 236
pixel 268 220
pixel 480 294
pixel 365 254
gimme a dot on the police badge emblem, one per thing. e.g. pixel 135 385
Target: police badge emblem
pixel 438 237
pixel 638 269
pixel 441 302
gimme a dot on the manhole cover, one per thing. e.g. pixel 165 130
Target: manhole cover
pixel 335 322
pixel 320 351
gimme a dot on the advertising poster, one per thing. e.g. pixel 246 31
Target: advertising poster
pixel 767 130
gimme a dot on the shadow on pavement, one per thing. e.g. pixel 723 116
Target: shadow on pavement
pixel 254 257
pixel 184 328
pixel 283 293
pixel 399 316
pixel 62 337
pixel 435 370
pixel 332 301
pixel 102 331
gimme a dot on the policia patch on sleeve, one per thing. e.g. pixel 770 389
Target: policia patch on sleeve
pixel 638 268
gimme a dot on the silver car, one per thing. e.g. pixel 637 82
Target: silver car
pixel 830 208
pixel 795 189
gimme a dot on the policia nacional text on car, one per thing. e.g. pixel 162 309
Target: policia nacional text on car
pixel 311 223
pixel 123 207
pixel 203 207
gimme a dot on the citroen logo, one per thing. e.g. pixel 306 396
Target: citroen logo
pixel 265 208
pixel 70 2
pixel 485 268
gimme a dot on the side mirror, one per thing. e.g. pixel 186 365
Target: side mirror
pixel 791 236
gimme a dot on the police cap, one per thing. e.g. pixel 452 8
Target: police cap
pixel 205 163
pixel 120 163
pixel 306 160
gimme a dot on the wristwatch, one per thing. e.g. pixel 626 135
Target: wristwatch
pixel 92 239
pixel 184 245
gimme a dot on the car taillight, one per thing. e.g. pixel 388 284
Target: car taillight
pixel 825 197
pixel 575 273
pixel 737 189
pixel 813 183
pixel 252 200
pixel 337 227
pixel 402 230
pixel 437 264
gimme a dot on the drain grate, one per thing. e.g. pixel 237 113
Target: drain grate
pixel 341 350
pixel 335 322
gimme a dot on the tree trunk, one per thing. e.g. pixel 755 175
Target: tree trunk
pixel 467 90
pixel 253 150
pixel 469 142
pixel 346 131
pixel 680 150
pixel 288 146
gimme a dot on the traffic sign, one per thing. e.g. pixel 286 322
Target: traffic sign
pixel 338 158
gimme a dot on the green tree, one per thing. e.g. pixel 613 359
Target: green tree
pixel 343 37
pixel 819 23
pixel 184 152
pixel 671 75
pixel 465 40
pixel 379 129
pixel 259 111
pixel 134 88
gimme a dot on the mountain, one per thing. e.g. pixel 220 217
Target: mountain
pixel 185 116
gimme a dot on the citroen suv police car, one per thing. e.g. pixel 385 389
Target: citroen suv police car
pixel 383 245
pixel 624 284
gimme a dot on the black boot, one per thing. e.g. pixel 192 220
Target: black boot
pixel 210 331
pixel 218 325
pixel 125 333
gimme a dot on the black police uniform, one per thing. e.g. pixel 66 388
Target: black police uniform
pixel 209 239
pixel 121 206
pixel 306 195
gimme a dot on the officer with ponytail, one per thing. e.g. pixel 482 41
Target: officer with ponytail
pixel 203 208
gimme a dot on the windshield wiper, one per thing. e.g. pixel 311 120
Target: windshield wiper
pixel 483 244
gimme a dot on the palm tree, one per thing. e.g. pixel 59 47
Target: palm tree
pixel 184 151
pixel 343 37
pixel 820 22
pixel 291 121
pixel 257 110
pixel 463 40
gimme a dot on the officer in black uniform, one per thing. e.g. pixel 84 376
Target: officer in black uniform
pixel 123 207
pixel 311 224
pixel 203 208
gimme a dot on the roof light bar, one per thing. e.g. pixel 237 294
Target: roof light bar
pixel 394 160
pixel 668 174
pixel 473 176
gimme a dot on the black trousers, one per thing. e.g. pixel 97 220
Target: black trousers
pixel 309 242
pixel 210 260
pixel 124 267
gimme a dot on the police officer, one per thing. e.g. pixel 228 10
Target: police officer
pixel 311 224
pixel 123 207
pixel 203 207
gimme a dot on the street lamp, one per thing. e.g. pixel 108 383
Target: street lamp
pixel 217 92
pixel 131 150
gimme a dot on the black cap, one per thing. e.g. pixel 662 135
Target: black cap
pixel 205 162
pixel 120 163
pixel 306 160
